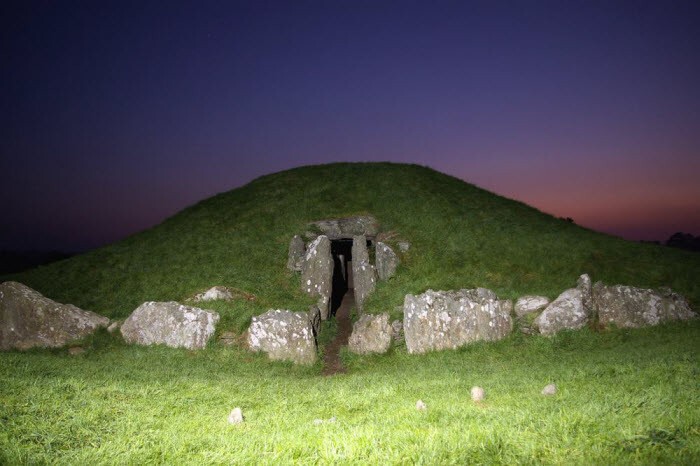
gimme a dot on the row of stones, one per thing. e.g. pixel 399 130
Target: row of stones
pixel 438 320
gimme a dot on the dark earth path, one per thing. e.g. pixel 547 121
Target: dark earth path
pixel 332 363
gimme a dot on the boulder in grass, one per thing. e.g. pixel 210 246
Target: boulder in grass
pixel 371 334
pixel 295 257
pixel 30 320
pixel 627 306
pixel 283 335
pixel 570 311
pixel 215 293
pixel 437 320
pixel 530 304
pixel 169 323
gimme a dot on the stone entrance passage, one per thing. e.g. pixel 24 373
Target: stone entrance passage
pixel 341 250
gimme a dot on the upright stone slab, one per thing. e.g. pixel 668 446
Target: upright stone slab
pixel 627 306
pixel 363 273
pixel 387 261
pixel 317 273
pixel 437 320
pixel 283 335
pixel 169 323
pixel 295 258
pixel 30 320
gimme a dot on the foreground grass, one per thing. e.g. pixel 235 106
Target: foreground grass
pixel 625 396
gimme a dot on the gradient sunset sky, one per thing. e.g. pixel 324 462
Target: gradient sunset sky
pixel 116 115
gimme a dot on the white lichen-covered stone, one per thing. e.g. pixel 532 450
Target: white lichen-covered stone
pixel 363 273
pixel 169 323
pixel 549 390
pixel 283 335
pixel 386 260
pixel 235 416
pixel 317 273
pixel 437 320
pixel 478 394
pixel 567 312
pixel 627 306
pixel 215 293
pixel 529 304
pixel 29 320
pixel 371 334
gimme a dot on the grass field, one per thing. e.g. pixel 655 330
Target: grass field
pixel 625 396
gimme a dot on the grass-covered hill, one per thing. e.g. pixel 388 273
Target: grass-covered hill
pixel 461 236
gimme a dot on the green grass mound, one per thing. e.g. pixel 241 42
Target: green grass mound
pixel 461 236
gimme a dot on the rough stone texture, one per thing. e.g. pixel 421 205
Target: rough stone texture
pixel 371 334
pixel 363 273
pixel 397 330
pixel 627 306
pixel 529 304
pixel 29 320
pixel 387 261
pixel 437 320
pixel 295 258
pixel 236 416
pixel 404 246
pixel 169 323
pixel 214 293
pixel 478 394
pixel 337 228
pixel 315 319
pixel 317 273
pixel 549 390
pixel 283 335
pixel 565 312
pixel 584 286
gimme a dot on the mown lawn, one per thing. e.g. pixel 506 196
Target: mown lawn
pixel 624 397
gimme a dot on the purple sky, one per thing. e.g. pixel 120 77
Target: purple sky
pixel 114 116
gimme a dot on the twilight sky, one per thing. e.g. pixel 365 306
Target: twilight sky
pixel 116 115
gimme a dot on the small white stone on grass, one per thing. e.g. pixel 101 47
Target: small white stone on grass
pixel 318 422
pixel 420 406
pixel 478 394
pixel 549 390
pixel 236 416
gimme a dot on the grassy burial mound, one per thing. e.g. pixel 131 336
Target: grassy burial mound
pixel 622 395
pixel 461 237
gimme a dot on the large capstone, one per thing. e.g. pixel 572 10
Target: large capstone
pixel 363 273
pixel 339 228
pixel 371 334
pixel 283 335
pixel 171 324
pixel 317 273
pixel 437 320
pixel 627 306
pixel 386 260
pixel 295 257
pixel 29 320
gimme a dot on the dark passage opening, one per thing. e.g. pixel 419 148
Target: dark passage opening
pixel 341 250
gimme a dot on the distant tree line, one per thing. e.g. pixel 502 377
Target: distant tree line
pixel 684 241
